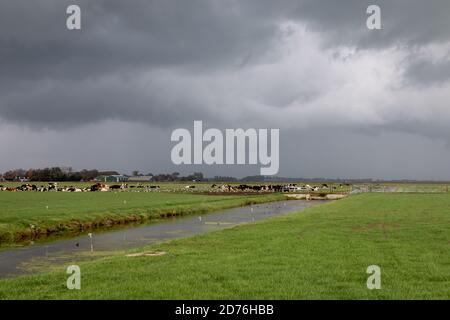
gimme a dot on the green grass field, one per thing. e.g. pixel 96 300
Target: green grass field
pixel 60 213
pixel 322 252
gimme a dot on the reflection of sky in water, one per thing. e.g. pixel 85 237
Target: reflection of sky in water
pixel 79 248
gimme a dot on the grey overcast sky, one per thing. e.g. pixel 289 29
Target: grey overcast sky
pixel 349 102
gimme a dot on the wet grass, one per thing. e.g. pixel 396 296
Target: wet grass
pixel 322 252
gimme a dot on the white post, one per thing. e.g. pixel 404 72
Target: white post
pixel 92 244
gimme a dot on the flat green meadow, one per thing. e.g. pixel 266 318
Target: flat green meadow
pixel 320 253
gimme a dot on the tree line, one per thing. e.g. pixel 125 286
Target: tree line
pixel 67 174
pixel 54 174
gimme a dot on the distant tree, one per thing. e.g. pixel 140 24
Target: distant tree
pixel 108 173
pixel 198 176
pixel 30 174
pixel 13 174
pixel 135 173
pixel 224 179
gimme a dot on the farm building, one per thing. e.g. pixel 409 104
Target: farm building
pixel 140 178
pixel 112 178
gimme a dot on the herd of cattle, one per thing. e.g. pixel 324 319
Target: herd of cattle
pixel 276 188
pixel 96 187
pixel 146 188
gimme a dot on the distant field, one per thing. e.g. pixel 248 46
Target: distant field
pixel 404 187
pixel 24 215
pixel 322 252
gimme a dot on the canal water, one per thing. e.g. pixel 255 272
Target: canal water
pixel 39 257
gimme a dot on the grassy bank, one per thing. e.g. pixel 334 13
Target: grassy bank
pixel 322 252
pixel 28 215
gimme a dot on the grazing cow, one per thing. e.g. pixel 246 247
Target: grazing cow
pixel 226 187
pixel 100 187
pixel 25 187
pixel 277 188
pixel 122 186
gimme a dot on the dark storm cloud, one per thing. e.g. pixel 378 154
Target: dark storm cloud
pixel 119 35
pixel 404 22
pixel 50 76
pixel 423 72
pixel 309 67
pixel 70 103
